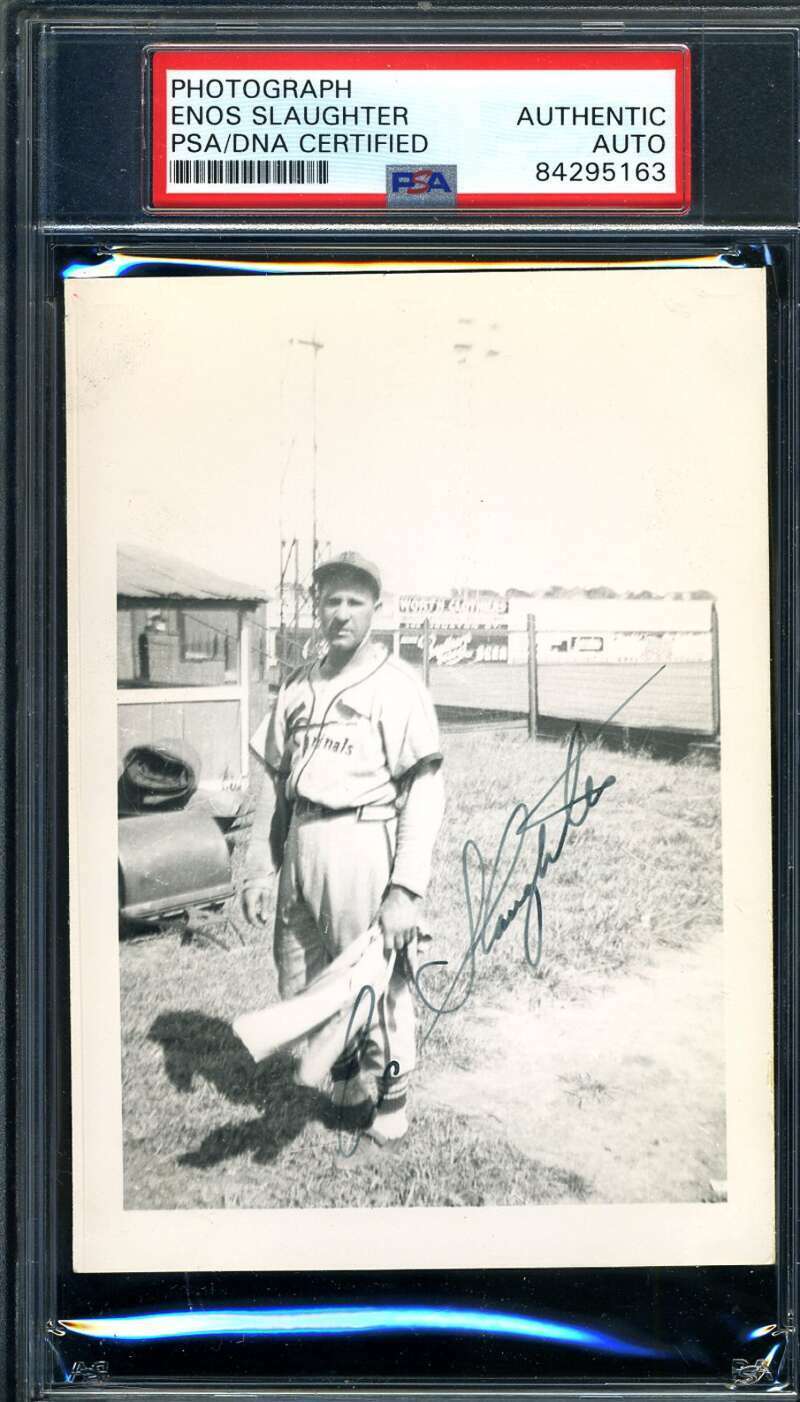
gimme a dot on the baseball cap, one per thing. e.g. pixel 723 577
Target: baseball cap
pixel 350 560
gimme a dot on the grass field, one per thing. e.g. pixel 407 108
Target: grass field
pixel 594 1077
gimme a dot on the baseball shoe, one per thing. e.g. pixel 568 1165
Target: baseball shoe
pixel 370 1147
pixel 390 1125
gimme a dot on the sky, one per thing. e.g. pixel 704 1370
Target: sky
pixel 485 429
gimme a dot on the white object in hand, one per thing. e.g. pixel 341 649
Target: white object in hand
pixel 363 964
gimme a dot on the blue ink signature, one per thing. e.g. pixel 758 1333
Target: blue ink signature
pixel 354 1044
pixel 486 883
pixel 485 887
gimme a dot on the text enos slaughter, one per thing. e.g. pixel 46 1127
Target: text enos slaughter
pixel 295 114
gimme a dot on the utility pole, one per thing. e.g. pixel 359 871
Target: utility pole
pixel 533 679
pixel 296 598
pixel 289 549
pixel 316 347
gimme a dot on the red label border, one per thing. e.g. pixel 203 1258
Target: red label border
pixel 676 58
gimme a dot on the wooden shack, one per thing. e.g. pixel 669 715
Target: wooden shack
pixel 184 647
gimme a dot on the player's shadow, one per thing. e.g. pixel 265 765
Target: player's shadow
pixel 198 1046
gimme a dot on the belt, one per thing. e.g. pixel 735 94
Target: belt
pixel 367 813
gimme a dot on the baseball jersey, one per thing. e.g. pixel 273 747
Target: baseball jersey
pixel 348 741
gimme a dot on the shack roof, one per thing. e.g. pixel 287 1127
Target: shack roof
pixel 147 574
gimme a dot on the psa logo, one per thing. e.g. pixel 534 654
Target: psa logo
pixel 431 186
pixel 419 182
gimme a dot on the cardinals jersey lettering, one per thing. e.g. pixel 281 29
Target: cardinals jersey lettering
pixel 348 741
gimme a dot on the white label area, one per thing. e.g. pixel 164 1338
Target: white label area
pixel 494 134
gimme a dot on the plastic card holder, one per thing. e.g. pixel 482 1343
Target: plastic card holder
pixel 401 424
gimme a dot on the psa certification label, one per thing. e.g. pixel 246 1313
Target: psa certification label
pixel 414 129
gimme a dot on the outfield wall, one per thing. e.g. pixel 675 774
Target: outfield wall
pixel 642 664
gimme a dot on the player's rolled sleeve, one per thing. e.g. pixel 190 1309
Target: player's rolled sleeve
pixel 417 826
pixel 258 863
pixel 268 741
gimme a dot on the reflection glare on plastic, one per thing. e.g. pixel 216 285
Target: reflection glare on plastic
pixel 355 1319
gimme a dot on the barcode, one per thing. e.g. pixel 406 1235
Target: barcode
pixel 245 172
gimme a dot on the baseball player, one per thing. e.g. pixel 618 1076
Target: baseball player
pixel 352 747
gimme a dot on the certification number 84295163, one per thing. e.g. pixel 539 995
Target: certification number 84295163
pixel 600 170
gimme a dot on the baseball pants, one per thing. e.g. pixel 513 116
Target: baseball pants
pixel 333 878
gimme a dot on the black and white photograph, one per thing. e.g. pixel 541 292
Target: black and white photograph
pixel 419 766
